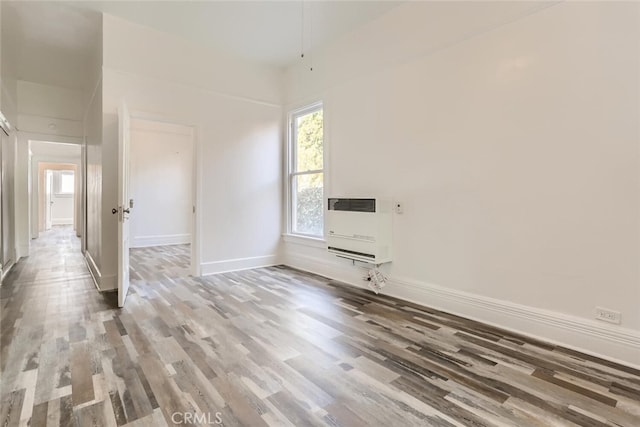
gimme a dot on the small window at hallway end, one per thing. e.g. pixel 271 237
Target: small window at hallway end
pixel 67 183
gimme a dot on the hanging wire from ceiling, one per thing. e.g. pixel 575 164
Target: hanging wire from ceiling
pixel 302 29
pixel 302 25
pixel 311 35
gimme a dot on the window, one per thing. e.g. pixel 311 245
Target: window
pixel 306 172
pixel 66 183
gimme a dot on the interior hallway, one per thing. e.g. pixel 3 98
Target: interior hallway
pixel 273 346
pixel 49 305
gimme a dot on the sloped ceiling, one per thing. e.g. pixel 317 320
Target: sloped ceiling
pixel 52 40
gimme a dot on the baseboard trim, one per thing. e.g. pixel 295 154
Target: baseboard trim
pixel 225 266
pixel 93 269
pixel 104 283
pixel 617 344
pixel 5 270
pixel 160 240
pixel 610 342
pixel 62 221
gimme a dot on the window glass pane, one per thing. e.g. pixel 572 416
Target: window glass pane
pixel 66 183
pixel 309 142
pixel 307 204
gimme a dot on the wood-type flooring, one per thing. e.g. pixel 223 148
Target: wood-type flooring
pixel 272 347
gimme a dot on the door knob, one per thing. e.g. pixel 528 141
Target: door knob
pixel 114 211
pixel 126 210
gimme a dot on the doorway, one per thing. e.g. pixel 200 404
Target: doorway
pixel 55 187
pixel 59 196
pixel 162 199
pixel 56 193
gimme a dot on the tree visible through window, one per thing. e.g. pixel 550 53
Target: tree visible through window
pixel 306 175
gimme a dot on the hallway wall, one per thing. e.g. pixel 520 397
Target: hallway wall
pixel 8 252
pixel 92 133
pixel 8 145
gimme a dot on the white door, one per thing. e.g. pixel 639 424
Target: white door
pixel 48 198
pixel 124 132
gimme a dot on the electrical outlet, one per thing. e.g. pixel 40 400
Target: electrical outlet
pixel 607 315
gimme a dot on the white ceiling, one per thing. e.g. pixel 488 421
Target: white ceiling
pixel 68 152
pixel 51 41
pixel 265 31
pixel 50 23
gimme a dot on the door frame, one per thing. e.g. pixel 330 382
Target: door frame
pixel 39 191
pixel 48 196
pixel 196 179
pixel 122 207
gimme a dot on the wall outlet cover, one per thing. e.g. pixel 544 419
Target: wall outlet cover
pixel 607 315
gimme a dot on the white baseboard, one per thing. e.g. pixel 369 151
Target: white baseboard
pixel 93 269
pixel 62 221
pixel 169 239
pixel 5 270
pixel 228 265
pixel 104 283
pixel 614 343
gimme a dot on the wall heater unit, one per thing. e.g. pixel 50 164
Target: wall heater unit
pixel 360 229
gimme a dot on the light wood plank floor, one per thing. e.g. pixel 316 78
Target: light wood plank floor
pixel 273 346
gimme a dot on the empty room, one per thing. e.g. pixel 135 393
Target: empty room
pixel 320 213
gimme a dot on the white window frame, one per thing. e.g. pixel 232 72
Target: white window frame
pixel 291 168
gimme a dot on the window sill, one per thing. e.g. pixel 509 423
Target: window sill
pixel 314 242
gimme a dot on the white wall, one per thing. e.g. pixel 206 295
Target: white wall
pixel 21 196
pixel 1 59
pixel 161 183
pixel 94 183
pixel 92 170
pixel 8 88
pixel 234 108
pixel 8 74
pixel 514 150
pixel 8 252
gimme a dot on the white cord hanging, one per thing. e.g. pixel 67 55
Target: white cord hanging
pixel 376 279
pixel 302 25
pixel 302 29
